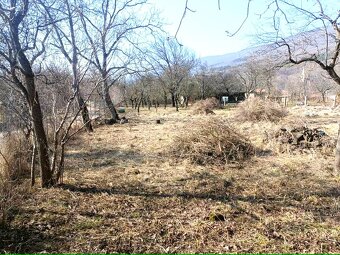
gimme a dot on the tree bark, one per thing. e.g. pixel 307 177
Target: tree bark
pixel 187 101
pixel 173 99
pixel 84 113
pixel 165 100
pixel 176 102
pixel 41 139
pixel 34 152
pixel 108 102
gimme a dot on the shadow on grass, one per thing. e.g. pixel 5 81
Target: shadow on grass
pixel 28 239
pixel 285 199
pixel 141 191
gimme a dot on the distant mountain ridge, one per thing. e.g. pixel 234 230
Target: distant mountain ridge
pixel 314 38
pixel 229 59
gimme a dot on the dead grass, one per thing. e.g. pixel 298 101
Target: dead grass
pixel 121 194
pixel 256 109
pixel 14 155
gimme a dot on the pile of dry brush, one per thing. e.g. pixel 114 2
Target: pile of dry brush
pixel 212 142
pixel 206 106
pixel 256 109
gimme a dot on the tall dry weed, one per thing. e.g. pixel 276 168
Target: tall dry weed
pixel 14 164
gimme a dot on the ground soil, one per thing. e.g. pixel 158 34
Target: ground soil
pixel 124 192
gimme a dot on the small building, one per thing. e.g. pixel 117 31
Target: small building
pixel 229 98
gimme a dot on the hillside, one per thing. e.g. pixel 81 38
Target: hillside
pixel 315 39
pixel 124 192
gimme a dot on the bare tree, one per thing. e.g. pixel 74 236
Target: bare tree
pixel 67 39
pixel 229 81
pixel 172 64
pixel 114 38
pixel 249 76
pixel 202 77
pixel 20 39
pixel 316 40
pixel 322 84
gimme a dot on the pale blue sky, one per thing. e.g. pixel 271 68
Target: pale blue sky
pixel 204 30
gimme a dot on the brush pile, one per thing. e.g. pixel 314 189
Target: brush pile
pixel 206 106
pixel 256 109
pixel 212 142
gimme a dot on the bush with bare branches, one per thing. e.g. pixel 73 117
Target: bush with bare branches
pixel 256 109
pixel 213 142
pixel 206 106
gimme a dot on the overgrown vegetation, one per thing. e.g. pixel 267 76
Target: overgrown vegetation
pixel 212 142
pixel 256 109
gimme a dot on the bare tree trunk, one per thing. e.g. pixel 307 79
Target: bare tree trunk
pixel 165 100
pixel 34 152
pixel 186 102
pixel 108 102
pixel 75 72
pixel 149 104
pixel 138 105
pixel 173 99
pixel 176 102
pixel 84 113
pixel 42 145
pixel 323 98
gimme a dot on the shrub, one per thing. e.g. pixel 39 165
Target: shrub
pixel 256 109
pixel 206 106
pixel 212 142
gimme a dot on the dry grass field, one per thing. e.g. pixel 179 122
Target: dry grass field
pixel 126 191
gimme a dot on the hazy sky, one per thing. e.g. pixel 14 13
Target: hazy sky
pixel 204 30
